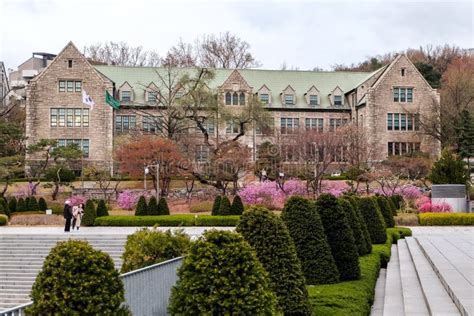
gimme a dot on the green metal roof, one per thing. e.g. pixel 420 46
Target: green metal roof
pixel 276 80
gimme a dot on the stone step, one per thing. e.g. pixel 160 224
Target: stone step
pixel 377 307
pixel 393 303
pixel 413 296
pixel 438 300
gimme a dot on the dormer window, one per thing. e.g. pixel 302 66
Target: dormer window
pixel 126 96
pixel 152 96
pixel 313 99
pixel 338 100
pixel 289 99
pixel 264 98
pixel 235 98
pixel 264 95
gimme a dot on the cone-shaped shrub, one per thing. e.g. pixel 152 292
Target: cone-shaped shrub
pixel 27 204
pixel 163 208
pixel 152 208
pixel 363 226
pixel 307 232
pixel 216 205
pixel 339 235
pixel 33 204
pixel 221 275
pixel 398 201
pixel 373 219
pixel 237 207
pixel 386 211
pixel 3 211
pixel 102 209
pixel 141 208
pixel 4 207
pixel 77 279
pixel 90 214
pixel 354 222
pixel 269 237
pixel 224 207
pixel 12 204
pixel 21 206
pixel 42 204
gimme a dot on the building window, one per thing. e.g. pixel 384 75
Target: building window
pixel 232 127
pixel 69 63
pixel 124 123
pixel 313 99
pixel 77 86
pixel 289 125
pixel 264 98
pixel 314 123
pixel 202 153
pixel 402 148
pixel 152 96
pixel 242 98
pixel 82 144
pixel 209 125
pixel 389 121
pixel 151 124
pixel 228 98
pixel 69 86
pixel 235 99
pixel 402 72
pixel 289 99
pixel 62 86
pixel 61 117
pixel 402 94
pixel 403 122
pixel 338 100
pixel 126 96
pixel 266 127
pixel 334 124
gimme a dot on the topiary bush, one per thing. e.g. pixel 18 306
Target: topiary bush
pixel 354 222
pixel 12 204
pixel 76 279
pixel 340 237
pixel 221 276
pixel 27 204
pixel 42 204
pixel 237 207
pixel 90 214
pixel 216 205
pixel 33 204
pixel 392 206
pixel 3 220
pixel 142 208
pixel 363 226
pixel 4 207
pixel 152 208
pixel 386 211
pixel 307 232
pixel 224 207
pixel 102 209
pixel 3 211
pixel 21 206
pixel 269 237
pixel 149 246
pixel 373 219
pixel 398 202
pixel 163 208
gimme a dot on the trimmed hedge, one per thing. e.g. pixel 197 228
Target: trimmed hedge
pixel 373 219
pixel 340 237
pixel 269 237
pixel 21 205
pixel 33 204
pixel 3 220
pixel 224 206
pixel 398 202
pixel 152 207
pixel 142 207
pixel 12 204
pixel 42 204
pixel 363 226
pixel 167 220
pixel 446 219
pixel 386 211
pixel 102 209
pixel 4 207
pixel 90 214
pixel 216 205
pixel 221 275
pixel 237 207
pixel 163 208
pixel 307 232
pixel 354 222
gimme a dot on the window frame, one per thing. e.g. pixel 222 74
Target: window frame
pixel 128 98
pixel 337 102
pixel 287 98
pixel 313 97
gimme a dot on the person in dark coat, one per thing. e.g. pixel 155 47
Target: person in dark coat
pixel 67 215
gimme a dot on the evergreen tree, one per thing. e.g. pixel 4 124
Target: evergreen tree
pixel 141 208
pixel 363 226
pixel 90 214
pixel 3 210
pixel 340 237
pixel 42 204
pixel 27 204
pixel 216 205
pixel 33 204
pixel 354 222
pixel 21 206
pixel 224 207
pixel 4 206
pixel 153 206
pixel 307 232
pixel 237 207
pixel 163 208
pixel 102 209
pixel 449 170
pixel 373 219
pixel 393 208
pixel 12 204
pixel 386 211
pixel 269 237
pixel 465 137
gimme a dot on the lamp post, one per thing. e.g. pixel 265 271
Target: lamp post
pixel 147 171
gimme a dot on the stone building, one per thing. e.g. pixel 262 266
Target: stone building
pixel 388 103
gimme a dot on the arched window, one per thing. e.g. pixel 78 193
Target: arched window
pixel 242 99
pixel 235 99
pixel 227 98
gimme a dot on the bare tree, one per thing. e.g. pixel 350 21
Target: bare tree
pixel 181 55
pixel 121 54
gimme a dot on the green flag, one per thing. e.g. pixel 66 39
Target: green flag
pixel 111 101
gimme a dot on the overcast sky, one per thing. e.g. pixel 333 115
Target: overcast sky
pixel 303 34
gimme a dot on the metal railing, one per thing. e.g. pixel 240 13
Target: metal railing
pixel 147 290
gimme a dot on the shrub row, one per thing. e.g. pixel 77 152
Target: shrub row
pixel 153 207
pixel 446 219
pixel 168 220
pixel 28 204
pixel 222 206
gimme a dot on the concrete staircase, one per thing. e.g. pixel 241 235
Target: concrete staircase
pixel 22 256
pixel 428 275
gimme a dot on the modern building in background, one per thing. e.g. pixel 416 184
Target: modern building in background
pixel 388 103
pixel 4 85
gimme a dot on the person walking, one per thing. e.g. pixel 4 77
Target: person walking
pixel 74 219
pixel 77 212
pixel 67 215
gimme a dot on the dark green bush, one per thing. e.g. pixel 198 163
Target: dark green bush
pixel 354 222
pixel 4 207
pixel 221 276
pixel 167 220
pixel 224 206
pixel 21 206
pixel 237 207
pixel 373 219
pixel 363 226
pixel 76 279
pixel 102 209
pixel 90 214
pixel 307 232
pixel 3 220
pixel 27 204
pixel 398 201
pixel 33 204
pixel 269 237
pixel 152 208
pixel 149 246
pixel 340 237
pixel 12 204
pixel 216 205
pixel 392 205
pixel 42 204
pixel 386 211
pixel 163 208
pixel 142 208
